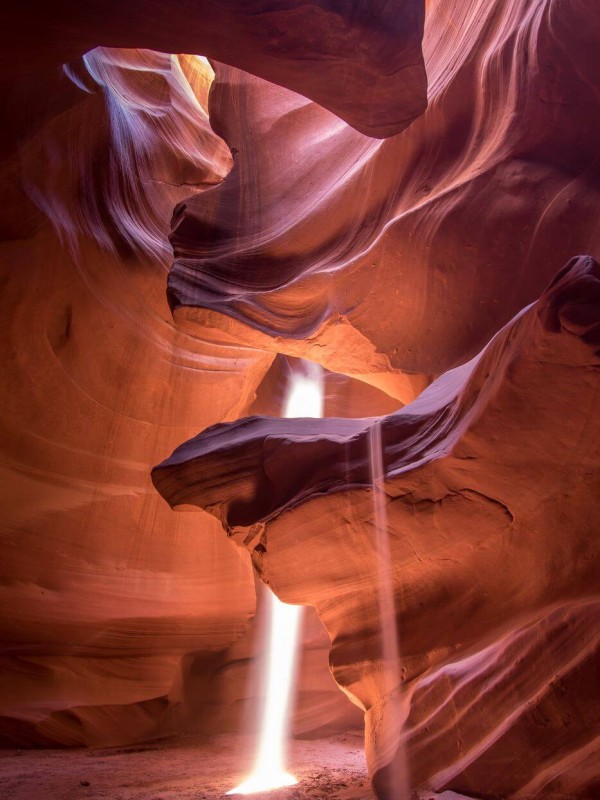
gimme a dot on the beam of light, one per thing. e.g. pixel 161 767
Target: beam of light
pixel 390 650
pixel 304 399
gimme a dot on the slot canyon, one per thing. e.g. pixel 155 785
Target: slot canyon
pixel 207 206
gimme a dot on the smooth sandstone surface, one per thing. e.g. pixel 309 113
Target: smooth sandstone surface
pixel 296 234
pixel 403 256
pixel 362 60
pixel 110 604
pixel 495 560
pixel 103 593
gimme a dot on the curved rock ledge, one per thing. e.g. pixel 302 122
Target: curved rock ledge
pixel 121 623
pixel 362 60
pixel 405 255
pixel 491 487
pixel 102 596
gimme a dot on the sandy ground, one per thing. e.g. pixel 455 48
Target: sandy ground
pixel 181 769
pixel 188 768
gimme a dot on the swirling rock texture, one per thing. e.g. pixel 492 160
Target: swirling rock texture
pixel 404 256
pixel 491 487
pixel 299 232
pixel 103 593
pixel 362 60
pixel 110 605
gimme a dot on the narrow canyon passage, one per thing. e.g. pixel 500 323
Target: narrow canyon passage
pixel 392 206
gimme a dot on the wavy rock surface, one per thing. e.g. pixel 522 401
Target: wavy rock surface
pixel 225 693
pixel 491 487
pixel 362 60
pixel 389 261
pixel 102 593
pixel 109 605
pixel 403 256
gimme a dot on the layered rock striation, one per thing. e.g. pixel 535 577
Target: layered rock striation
pixel 403 256
pixel 296 233
pixel 103 594
pixel 107 606
pixel 361 60
pixel 491 486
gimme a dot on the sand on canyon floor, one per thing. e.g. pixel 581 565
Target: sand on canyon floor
pixel 186 768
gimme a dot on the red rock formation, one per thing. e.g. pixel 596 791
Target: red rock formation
pixel 112 602
pixel 362 60
pixel 106 598
pixel 491 489
pixel 405 255
pixel 225 693
pixel 102 592
pixel 389 261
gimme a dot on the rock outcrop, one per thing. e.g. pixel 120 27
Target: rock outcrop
pixel 107 606
pixel 103 593
pixel 362 60
pixel 491 485
pixel 377 258
pixel 319 205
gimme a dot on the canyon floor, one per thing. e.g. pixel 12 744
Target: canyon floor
pixel 186 768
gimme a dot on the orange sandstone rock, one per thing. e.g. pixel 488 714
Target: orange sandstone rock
pixel 491 486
